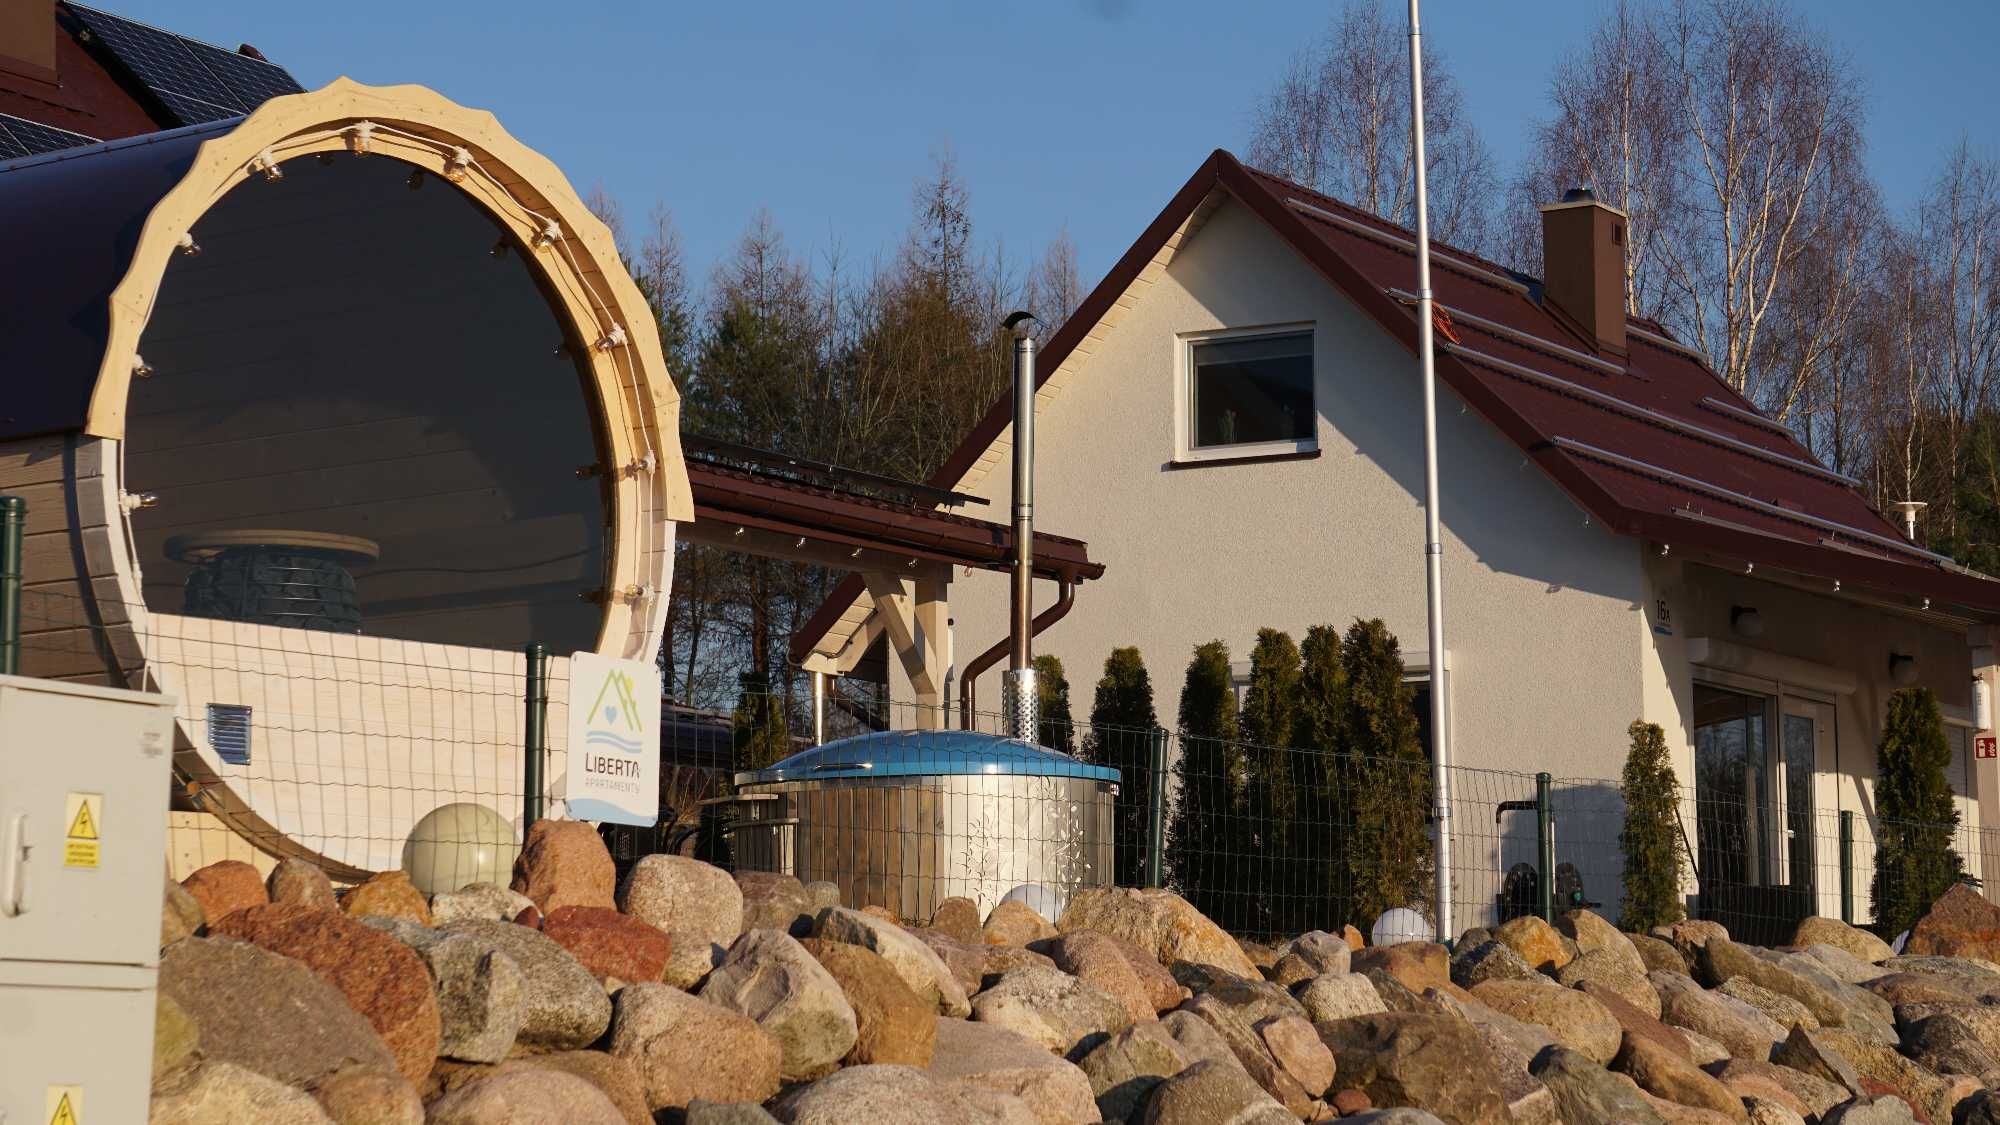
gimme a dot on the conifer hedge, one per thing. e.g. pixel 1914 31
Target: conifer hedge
pixel 1317 876
pixel 1202 834
pixel 1056 728
pixel 1387 847
pixel 1271 808
pixel 1651 836
pixel 1915 816
pixel 1122 722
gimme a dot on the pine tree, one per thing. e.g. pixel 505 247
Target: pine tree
pixel 1122 722
pixel 1270 716
pixel 1914 815
pixel 1388 847
pixel 1057 728
pixel 1209 777
pixel 1651 837
pixel 1318 779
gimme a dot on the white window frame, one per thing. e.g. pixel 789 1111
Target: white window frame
pixel 1781 698
pixel 1184 447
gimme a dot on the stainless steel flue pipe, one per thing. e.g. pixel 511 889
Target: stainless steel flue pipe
pixel 1022 701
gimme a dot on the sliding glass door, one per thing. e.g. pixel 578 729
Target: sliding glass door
pixel 1755 757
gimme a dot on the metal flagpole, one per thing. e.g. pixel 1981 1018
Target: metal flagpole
pixel 1433 537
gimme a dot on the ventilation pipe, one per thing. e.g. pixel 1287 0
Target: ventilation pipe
pixel 1020 701
pixel 1909 510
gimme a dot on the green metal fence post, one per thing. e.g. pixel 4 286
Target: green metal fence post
pixel 1156 812
pixel 13 522
pixel 1545 848
pixel 1847 866
pixel 535 737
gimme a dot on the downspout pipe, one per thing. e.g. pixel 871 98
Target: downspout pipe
pixel 968 682
pixel 1022 702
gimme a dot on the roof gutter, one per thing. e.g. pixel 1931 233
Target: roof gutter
pixel 968 681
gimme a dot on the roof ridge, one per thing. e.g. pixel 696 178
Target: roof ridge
pixel 1392 227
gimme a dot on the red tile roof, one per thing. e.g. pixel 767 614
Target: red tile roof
pixel 1652 444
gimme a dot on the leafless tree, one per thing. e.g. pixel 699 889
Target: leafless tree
pixel 1053 288
pixel 1614 129
pixel 1771 118
pixel 1339 121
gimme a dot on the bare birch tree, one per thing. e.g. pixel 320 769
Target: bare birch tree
pixel 1614 129
pixel 1338 121
pixel 1770 117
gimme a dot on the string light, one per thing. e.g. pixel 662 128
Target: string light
pixel 361 137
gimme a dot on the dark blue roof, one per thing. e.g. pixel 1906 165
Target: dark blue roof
pixel 910 753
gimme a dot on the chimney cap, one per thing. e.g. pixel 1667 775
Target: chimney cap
pixel 1580 197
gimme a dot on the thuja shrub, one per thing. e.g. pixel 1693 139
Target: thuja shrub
pixel 1388 846
pixel 1915 816
pixel 1056 728
pixel 1122 723
pixel 1209 789
pixel 1651 836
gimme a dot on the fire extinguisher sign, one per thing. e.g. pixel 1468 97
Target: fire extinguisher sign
pixel 1986 746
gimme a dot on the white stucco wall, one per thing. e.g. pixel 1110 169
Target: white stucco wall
pixel 1544 622
pixel 1852 640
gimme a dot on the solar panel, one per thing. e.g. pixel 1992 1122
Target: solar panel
pixel 254 81
pixel 192 111
pixel 193 82
pixel 20 137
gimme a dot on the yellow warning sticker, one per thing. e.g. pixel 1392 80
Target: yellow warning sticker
pixel 82 812
pixel 65 1104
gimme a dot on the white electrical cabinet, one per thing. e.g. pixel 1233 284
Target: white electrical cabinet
pixel 84 776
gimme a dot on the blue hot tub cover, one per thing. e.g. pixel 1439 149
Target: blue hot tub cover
pixel 913 753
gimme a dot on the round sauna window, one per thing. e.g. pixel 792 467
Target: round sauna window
pixel 362 414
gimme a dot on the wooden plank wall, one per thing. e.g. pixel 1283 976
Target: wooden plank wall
pixel 354 738
pixel 62 636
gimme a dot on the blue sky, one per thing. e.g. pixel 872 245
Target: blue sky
pixel 1084 114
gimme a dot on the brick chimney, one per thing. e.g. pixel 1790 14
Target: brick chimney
pixel 28 38
pixel 1583 265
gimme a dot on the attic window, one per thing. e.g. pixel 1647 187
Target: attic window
pixel 1249 394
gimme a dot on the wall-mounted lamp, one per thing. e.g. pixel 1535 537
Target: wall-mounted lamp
pixel 1745 621
pixel 1902 669
pixel 1982 703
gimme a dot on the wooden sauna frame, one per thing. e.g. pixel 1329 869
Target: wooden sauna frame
pixel 87 621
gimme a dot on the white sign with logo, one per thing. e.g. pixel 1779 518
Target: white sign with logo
pixel 614 739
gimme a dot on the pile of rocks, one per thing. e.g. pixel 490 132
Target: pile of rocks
pixel 686 994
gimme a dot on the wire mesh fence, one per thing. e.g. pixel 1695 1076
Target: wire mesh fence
pixel 361 754
pixel 332 747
